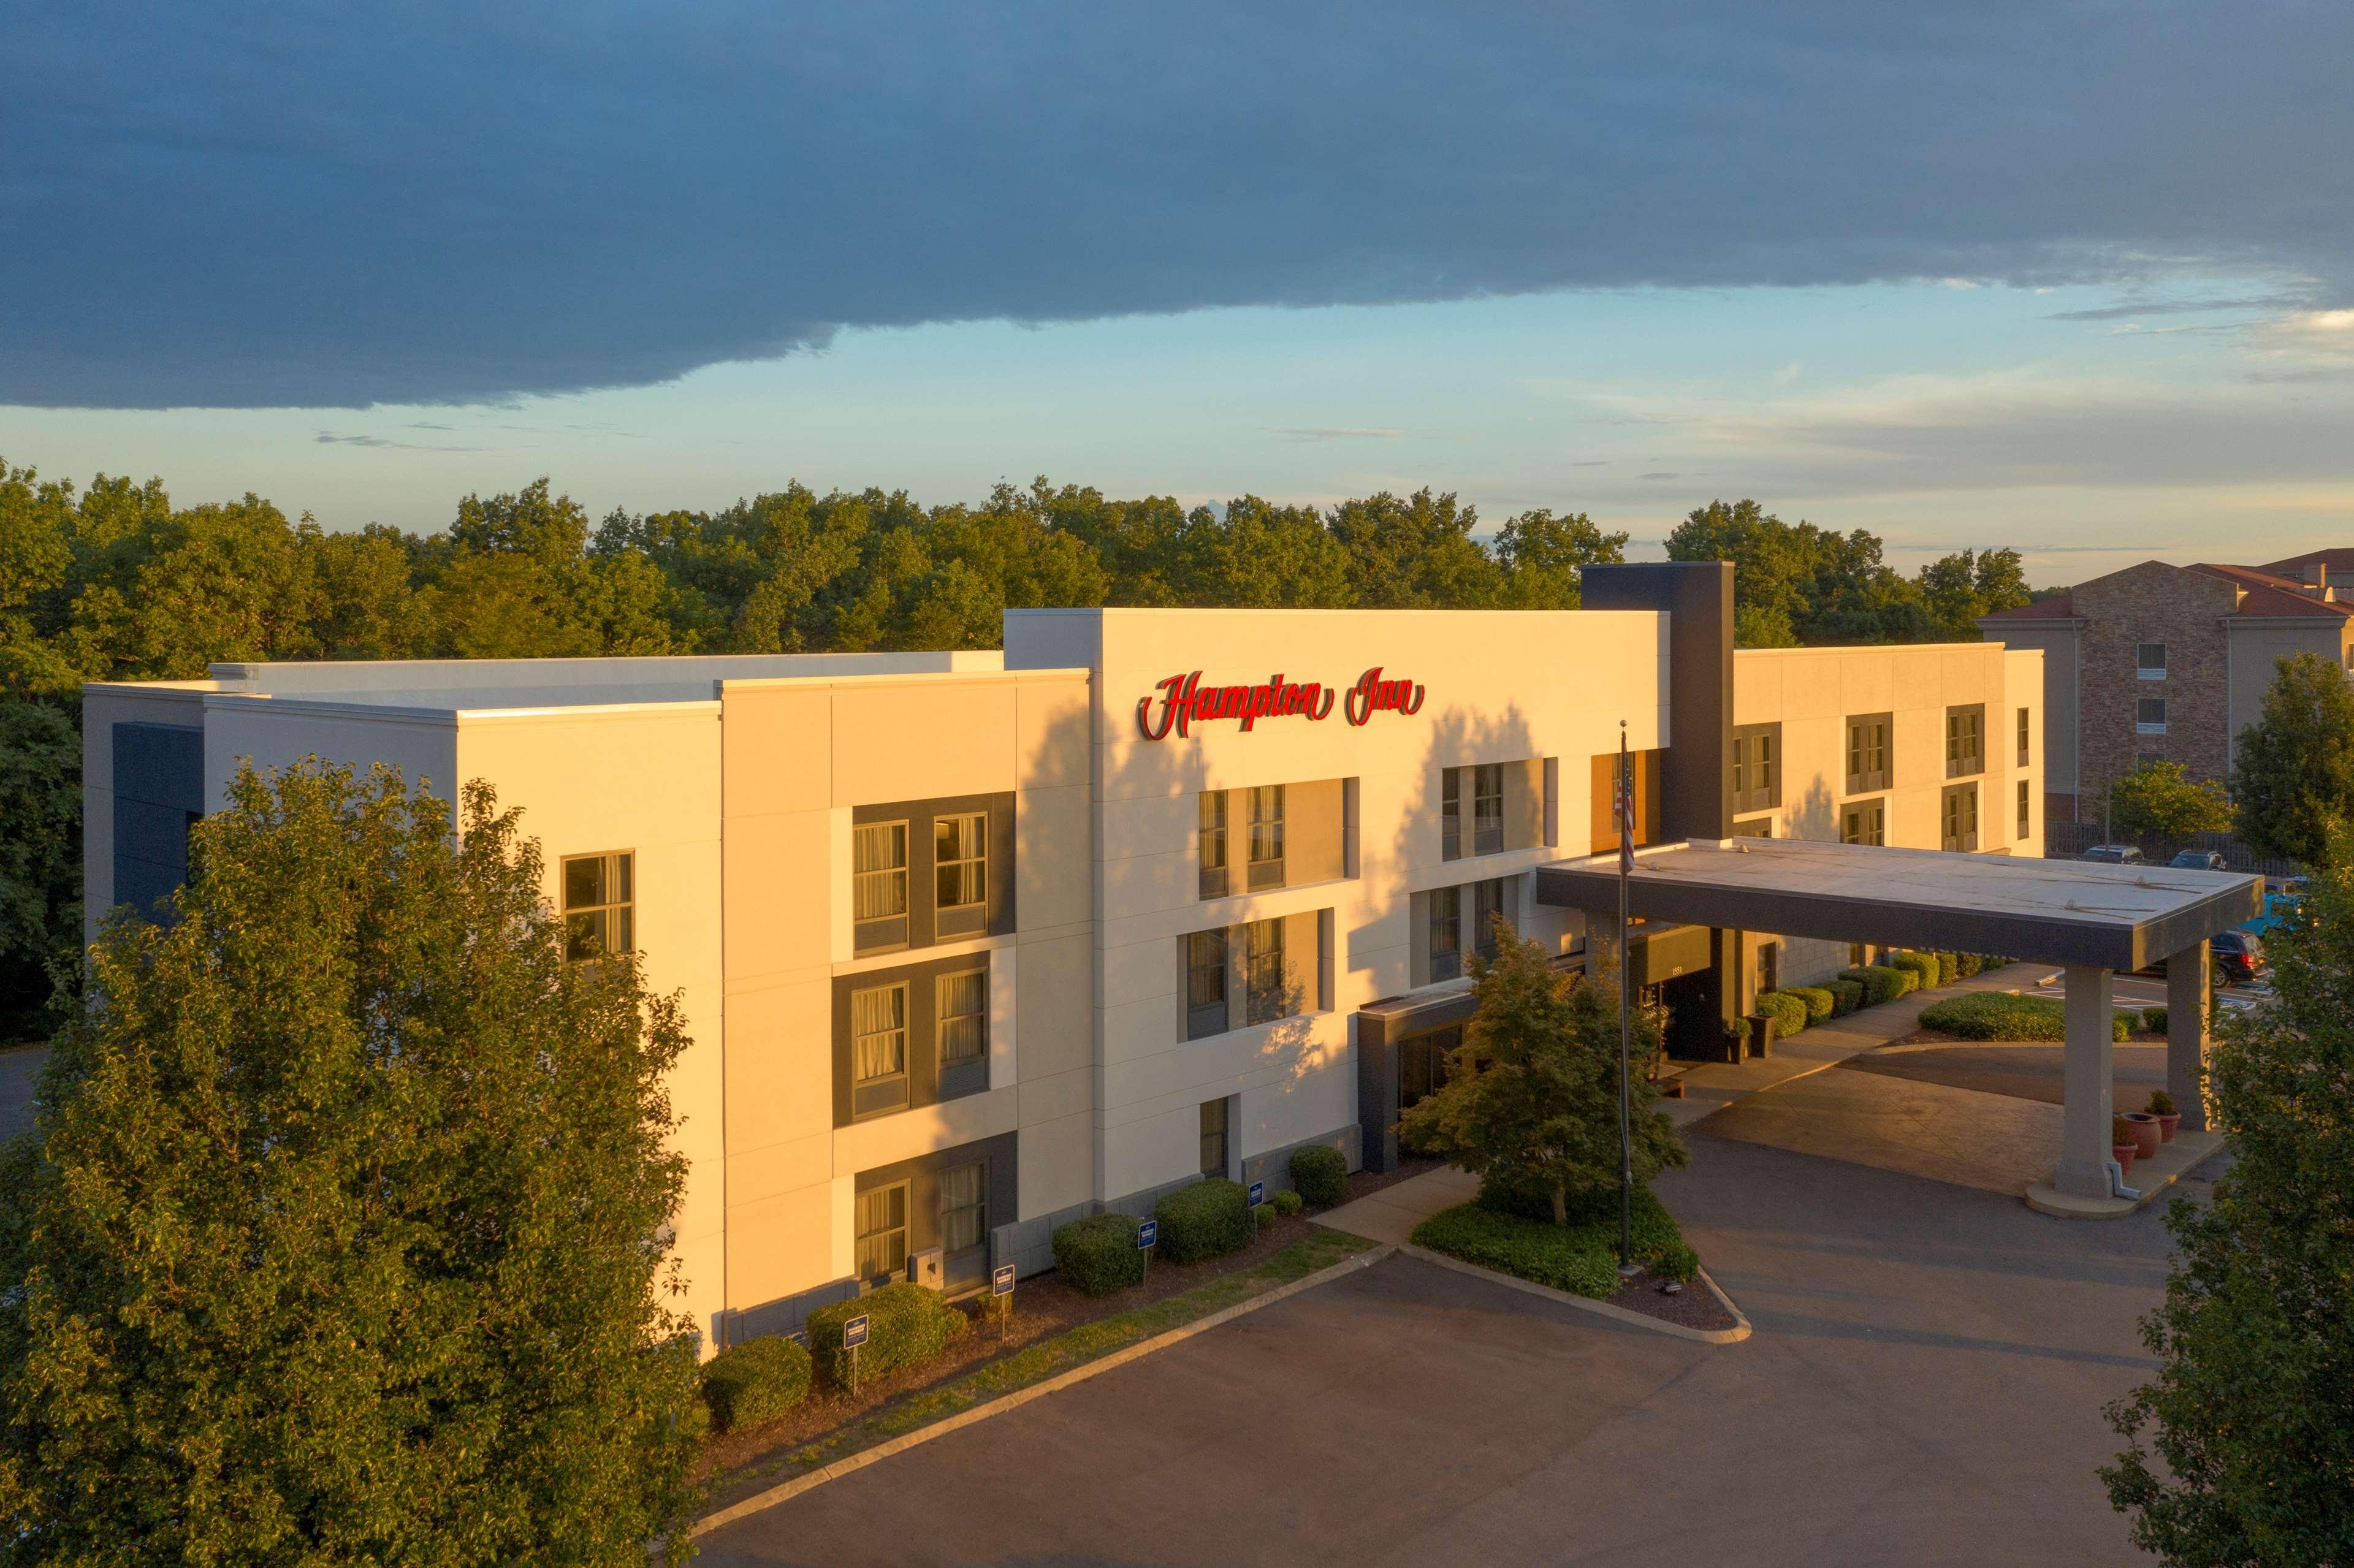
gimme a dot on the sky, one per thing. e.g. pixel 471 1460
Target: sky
pixel 2074 278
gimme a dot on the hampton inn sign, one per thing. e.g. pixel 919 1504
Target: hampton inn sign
pixel 1185 702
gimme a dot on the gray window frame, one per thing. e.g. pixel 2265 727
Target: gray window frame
pixel 1962 838
pixel 942 1019
pixel 2026 734
pixel 1262 873
pixel 1756 767
pixel 1264 997
pixel 1445 963
pixel 2026 797
pixel 2143 669
pixel 1862 779
pixel 904 1230
pixel 1875 811
pixel 927 1080
pixel 1223 1135
pixel 2143 723
pixel 1966 722
pixel 922 924
pixel 966 918
pixel 1451 813
pixel 1208 1015
pixel 1213 839
pixel 1487 826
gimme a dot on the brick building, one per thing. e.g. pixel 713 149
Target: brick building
pixel 2166 662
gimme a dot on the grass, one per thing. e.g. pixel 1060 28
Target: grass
pixel 1581 1257
pixel 1998 1015
pixel 1072 1348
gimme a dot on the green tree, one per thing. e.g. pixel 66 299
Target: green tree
pixel 40 864
pixel 343 1239
pixel 1956 589
pixel 2159 799
pixel 1531 1102
pixel 1542 554
pixel 2293 769
pixel 1823 588
pixel 2254 1450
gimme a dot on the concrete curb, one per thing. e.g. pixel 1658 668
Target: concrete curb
pixel 1021 1396
pixel 1733 1336
pixel 2177 1160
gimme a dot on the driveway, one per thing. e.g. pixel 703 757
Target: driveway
pixel 1925 1385
pixel 18 1067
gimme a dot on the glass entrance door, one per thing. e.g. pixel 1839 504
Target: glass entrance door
pixel 1422 1064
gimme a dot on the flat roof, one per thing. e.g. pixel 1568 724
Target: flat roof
pixel 2052 911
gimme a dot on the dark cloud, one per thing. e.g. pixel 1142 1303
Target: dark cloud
pixel 315 205
pixel 2175 308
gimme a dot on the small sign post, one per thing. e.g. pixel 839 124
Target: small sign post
pixel 1146 1234
pixel 1000 1285
pixel 853 1334
pixel 1257 1196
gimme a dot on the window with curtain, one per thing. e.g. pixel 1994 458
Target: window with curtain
pixel 1446 933
pixel 1867 753
pixel 883 1232
pixel 960 869
pixel 1205 984
pixel 1487 808
pixel 1451 815
pixel 964 1207
pixel 1864 822
pixel 963 1017
pixel 1266 836
pixel 1487 901
pixel 600 906
pixel 1263 966
pixel 878 883
pixel 1211 838
pixel 1214 1138
pixel 878 1032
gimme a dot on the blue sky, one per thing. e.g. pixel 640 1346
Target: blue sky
pixel 2072 278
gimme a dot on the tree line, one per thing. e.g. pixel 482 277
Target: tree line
pixel 114 582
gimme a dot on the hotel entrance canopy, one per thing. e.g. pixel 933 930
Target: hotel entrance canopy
pixel 2094 919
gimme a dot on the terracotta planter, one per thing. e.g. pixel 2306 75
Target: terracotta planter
pixel 2166 1126
pixel 2123 1153
pixel 2146 1134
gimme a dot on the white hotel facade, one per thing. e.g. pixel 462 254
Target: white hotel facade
pixel 971 944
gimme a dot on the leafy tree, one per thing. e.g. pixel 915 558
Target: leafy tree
pixel 2254 1452
pixel 343 1238
pixel 1531 1102
pixel 2293 771
pixel 2159 799
pixel 1542 554
pixel 1801 584
pixel 40 864
pixel 1959 589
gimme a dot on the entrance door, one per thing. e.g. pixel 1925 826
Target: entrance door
pixel 1422 1064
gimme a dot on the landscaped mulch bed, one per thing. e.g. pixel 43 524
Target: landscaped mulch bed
pixel 1693 1306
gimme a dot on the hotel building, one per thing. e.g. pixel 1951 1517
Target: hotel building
pixel 970 944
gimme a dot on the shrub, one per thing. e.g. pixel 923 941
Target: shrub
pixel 1789 1013
pixel 1287 1203
pixel 1967 964
pixel 1949 967
pixel 907 1324
pixel 1847 995
pixel 1819 1001
pixel 2154 1020
pixel 1998 1015
pixel 2120 1131
pixel 1203 1220
pixel 1516 1236
pixel 1098 1256
pixel 1322 1174
pixel 755 1382
pixel 1879 984
pixel 1921 966
pixel 1265 1215
pixel 2161 1103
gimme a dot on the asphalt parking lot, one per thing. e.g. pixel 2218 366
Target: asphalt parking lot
pixel 1925 1385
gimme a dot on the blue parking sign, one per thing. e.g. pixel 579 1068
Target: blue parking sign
pixel 1147 1233
pixel 1257 1193
pixel 1000 1280
pixel 854 1334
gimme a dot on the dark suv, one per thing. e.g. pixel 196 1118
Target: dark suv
pixel 2116 855
pixel 2197 860
pixel 2235 957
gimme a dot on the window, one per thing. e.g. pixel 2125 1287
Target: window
pixel 1487 808
pixel 1263 993
pixel 959 874
pixel 1753 828
pixel 878 887
pixel 1960 818
pixel 1214 1138
pixel 2149 716
pixel 878 1049
pixel 2025 734
pixel 964 1217
pixel 883 1232
pixel 1868 753
pixel 600 906
pixel 1487 901
pixel 2149 661
pixel 1864 822
pixel 1205 984
pixel 2022 808
pixel 1963 755
pixel 1451 815
pixel 1446 933
pixel 1769 966
pixel 964 1017
pixel 1267 837
pixel 1212 837
pixel 1756 767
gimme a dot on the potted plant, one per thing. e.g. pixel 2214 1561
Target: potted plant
pixel 1737 1034
pixel 2161 1106
pixel 2144 1128
pixel 2122 1146
pixel 1758 1030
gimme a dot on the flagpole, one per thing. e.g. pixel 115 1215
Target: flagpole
pixel 1626 993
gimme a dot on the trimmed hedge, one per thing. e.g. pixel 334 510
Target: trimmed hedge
pixel 755 1382
pixel 1949 967
pixel 1847 995
pixel 1788 1012
pixel 1287 1202
pixel 1967 964
pixel 1321 1172
pixel 1203 1220
pixel 2154 1020
pixel 1879 982
pixel 1520 1238
pixel 1098 1256
pixel 1998 1015
pixel 906 1323
pixel 1820 1002
pixel 1921 966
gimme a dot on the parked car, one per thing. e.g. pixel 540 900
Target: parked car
pixel 2116 855
pixel 2198 860
pixel 2236 957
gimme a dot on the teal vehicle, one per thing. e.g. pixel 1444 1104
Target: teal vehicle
pixel 2280 903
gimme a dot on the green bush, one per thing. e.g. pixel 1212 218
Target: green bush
pixel 755 1382
pixel 2161 1103
pixel 1098 1256
pixel 1287 1202
pixel 1998 1015
pixel 1967 964
pixel 907 1324
pixel 1322 1174
pixel 1921 966
pixel 1820 1002
pixel 1847 995
pixel 1788 1012
pixel 2154 1020
pixel 1518 1237
pixel 1265 1215
pixel 1203 1220
pixel 1949 967
pixel 1879 982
